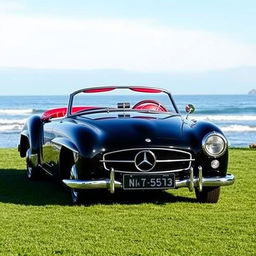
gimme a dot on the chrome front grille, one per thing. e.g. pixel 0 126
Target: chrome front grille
pixel 151 160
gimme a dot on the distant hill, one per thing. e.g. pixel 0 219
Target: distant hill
pixel 253 91
pixel 25 81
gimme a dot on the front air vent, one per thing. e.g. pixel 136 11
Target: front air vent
pixel 150 160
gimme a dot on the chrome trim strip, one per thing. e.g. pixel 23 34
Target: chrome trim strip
pixel 149 148
pixel 191 180
pixel 229 179
pixel 190 159
pixel 116 161
pixel 112 181
pixel 148 173
pixel 173 161
pixel 72 95
pixel 200 178
pixel 91 184
pixel 157 161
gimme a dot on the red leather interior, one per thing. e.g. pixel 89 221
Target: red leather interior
pixel 142 105
pixel 60 112
pixel 150 105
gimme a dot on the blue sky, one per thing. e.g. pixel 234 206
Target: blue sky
pixel 173 38
pixel 235 17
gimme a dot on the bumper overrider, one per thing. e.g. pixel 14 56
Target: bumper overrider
pixel 111 184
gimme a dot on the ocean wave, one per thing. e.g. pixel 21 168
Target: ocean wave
pixel 12 121
pixel 20 111
pixel 38 111
pixel 16 111
pixel 238 128
pixel 11 127
pixel 226 117
pixel 227 110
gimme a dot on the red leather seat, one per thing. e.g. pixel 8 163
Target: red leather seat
pixel 60 112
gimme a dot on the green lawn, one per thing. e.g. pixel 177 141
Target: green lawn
pixel 36 218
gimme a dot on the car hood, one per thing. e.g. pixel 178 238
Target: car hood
pixel 132 132
pixel 91 136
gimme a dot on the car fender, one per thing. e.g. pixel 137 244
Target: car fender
pixel 33 134
pixel 194 133
pixel 85 139
pixel 64 142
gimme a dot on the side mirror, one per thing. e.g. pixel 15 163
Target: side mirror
pixel 190 109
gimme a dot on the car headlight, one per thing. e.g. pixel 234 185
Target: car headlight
pixel 214 144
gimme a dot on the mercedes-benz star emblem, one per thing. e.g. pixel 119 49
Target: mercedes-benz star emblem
pixel 145 160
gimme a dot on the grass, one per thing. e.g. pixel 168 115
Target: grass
pixel 36 218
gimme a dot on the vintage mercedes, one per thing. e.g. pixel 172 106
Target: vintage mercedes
pixel 126 138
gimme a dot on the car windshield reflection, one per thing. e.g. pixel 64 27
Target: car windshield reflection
pixel 121 99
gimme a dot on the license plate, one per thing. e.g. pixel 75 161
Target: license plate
pixel 150 181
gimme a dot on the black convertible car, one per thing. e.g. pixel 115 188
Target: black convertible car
pixel 129 138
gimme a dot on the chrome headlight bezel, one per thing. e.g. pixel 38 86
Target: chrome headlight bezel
pixel 205 144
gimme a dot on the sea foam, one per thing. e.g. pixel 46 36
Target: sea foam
pixel 16 111
pixel 225 117
pixel 238 128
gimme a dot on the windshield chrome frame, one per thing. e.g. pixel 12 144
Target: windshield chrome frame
pixel 71 97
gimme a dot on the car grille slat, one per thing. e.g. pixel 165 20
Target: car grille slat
pixel 166 160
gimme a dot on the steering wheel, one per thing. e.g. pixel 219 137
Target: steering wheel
pixel 150 105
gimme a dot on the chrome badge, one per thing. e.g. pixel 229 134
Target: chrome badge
pixel 145 160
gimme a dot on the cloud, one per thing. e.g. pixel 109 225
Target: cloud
pixel 10 6
pixel 60 43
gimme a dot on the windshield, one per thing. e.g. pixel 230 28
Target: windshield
pixel 121 98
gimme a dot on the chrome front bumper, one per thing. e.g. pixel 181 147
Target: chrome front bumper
pixel 190 183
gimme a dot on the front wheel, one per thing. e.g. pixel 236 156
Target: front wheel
pixel 77 195
pixel 208 195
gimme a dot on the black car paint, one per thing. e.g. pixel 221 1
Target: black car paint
pixel 92 137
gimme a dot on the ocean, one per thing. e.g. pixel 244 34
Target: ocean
pixel 234 114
